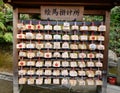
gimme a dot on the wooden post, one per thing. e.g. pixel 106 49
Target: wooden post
pixel 106 43
pixel 15 52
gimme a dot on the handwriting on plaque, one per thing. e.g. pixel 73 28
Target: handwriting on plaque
pixel 62 12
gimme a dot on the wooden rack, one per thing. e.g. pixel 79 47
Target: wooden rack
pixel 90 7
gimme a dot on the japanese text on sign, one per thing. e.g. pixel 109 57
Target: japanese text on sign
pixel 61 13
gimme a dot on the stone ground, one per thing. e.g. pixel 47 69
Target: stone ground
pixel 6 87
pixel 113 89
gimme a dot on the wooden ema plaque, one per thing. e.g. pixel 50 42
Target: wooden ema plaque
pixel 62 12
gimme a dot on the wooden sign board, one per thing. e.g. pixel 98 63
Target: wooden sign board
pixel 62 12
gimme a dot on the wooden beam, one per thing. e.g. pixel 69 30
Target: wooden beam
pixel 15 52
pixel 94 12
pixel 61 3
pixel 106 43
pixel 37 11
pixel 82 11
pixel 29 10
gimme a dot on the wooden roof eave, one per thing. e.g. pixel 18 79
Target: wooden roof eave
pixel 93 4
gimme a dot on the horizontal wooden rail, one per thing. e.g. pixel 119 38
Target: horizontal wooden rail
pixel 61 3
pixel 37 11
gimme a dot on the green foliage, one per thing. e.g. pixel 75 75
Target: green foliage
pixel 2 39
pixel 93 18
pixel 24 16
pixel 2 27
pixel 1 2
pixel 6 18
pixel 8 37
pixel 115 30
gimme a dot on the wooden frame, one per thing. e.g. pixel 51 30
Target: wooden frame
pixel 15 52
pixel 16 13
pixel 90 8
pixel 106 43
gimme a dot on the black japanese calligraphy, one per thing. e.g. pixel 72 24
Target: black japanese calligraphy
pixel 76 12
pixel 69 12
pixel 62 12
pixel 47 12
pixel 55 12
